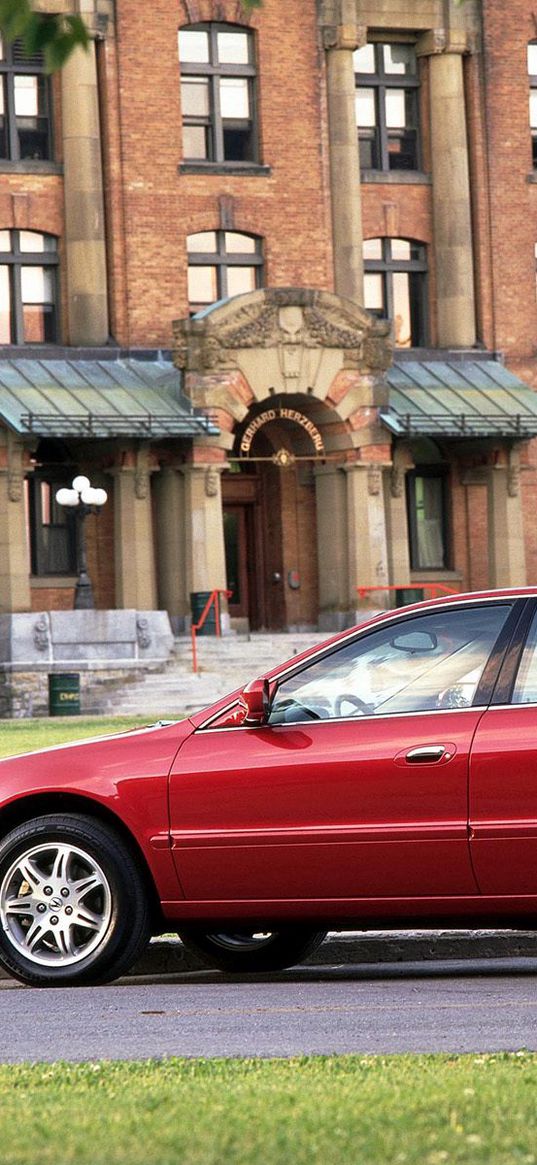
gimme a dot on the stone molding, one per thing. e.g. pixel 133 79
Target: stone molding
pixel 444 40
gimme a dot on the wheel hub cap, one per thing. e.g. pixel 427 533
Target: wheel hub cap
pixel 55 904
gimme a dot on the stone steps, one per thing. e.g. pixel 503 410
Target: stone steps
pixel 224 664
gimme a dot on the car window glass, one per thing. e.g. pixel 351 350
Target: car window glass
pixel 418 664
pixel 525 691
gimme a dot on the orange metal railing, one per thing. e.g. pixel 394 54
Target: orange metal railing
pixel 213 600
pixel 435 588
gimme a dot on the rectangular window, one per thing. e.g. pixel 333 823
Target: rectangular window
pixel 387 117
pixel 218 94
pixel 427 519
pixel 52 530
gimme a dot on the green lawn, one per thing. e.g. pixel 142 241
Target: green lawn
pixel 354 1110
pixel 25 735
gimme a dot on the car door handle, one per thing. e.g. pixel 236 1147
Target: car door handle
pixel 426 754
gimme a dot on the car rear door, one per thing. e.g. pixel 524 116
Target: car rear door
pixel 503 773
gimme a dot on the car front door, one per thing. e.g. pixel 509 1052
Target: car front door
pixel 357 787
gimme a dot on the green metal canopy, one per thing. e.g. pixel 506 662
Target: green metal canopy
pixel 96 399
pixel 459 400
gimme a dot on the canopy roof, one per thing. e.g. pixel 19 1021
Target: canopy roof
pixel 458 399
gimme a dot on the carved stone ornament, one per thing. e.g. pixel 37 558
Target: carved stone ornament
pixel 281 318
pixel 513 476
pixel 397 480
pixel 15 474
pixel 41 635
pixel 142 632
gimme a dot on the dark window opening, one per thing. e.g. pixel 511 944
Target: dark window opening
pixel 395 272
pixel 25 122
pixel 387 114
pixel 218 93
pixel 52 534
pixel 222 264
pixel 428 519
pixel 28 288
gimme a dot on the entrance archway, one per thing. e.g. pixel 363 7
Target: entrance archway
pixel 294 379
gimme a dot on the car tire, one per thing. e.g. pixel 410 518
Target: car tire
pixel 247 951
pixel 74 907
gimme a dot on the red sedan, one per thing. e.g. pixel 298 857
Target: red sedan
pixel 388 777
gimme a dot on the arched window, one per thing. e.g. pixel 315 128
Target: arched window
pixel 24 105
pixel 222 264
pixel 218 93
pixel 28 288
pixel 394 287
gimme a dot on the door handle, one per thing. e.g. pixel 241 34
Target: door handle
pixel 426 754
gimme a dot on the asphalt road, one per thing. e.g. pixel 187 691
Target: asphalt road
pixel 469 1007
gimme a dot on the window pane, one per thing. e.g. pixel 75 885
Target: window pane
pixel 193 46
pixel 233 48
pixel 429 513
pixel 395 108
pixel 365 106
pixel 533 108
pixel 5 240
pixel 202 285
pixel 238 144
pixel 374 291
pixel 402 326
pixel 364 59
pixel 26 96
pixel 38 323
pixel 429 662
pixel 31 241
pixel 195 141
pixel 400 249
pixel 37 285
pixel 5 304
pixel 403 149
pixel 240 280
pixel 526 682
pixel 532 59
pixel 239 244
pixel 372 248
pixel 195 97
pixel 204 242
pixel 399 58
pixel 234 97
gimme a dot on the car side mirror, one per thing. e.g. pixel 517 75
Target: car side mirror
pixel 256 697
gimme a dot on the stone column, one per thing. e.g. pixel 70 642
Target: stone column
pixel 331 498
pixel 507 560
pixel 134 549
pixel 341 35
pixel 397 518
pixel 169 489
pixel 451 189
pixel 87 299
pixel 14 550
pixel 205 553
pixel 366 534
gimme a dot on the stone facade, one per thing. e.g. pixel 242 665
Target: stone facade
pixel 304 531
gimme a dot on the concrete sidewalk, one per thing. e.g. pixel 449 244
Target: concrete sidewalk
pixel 168 956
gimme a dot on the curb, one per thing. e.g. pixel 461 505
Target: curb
pixel 168 956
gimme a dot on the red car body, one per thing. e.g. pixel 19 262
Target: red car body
pixel 242 823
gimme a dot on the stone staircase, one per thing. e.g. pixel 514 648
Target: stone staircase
pixel 224 664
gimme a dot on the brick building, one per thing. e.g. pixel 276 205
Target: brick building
pixel 269 278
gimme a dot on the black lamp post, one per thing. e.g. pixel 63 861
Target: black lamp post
pixel 82 499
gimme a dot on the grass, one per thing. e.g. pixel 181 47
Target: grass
pixel 26 735
pixel 348 1110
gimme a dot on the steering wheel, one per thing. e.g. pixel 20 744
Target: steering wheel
pixel 290 706
pixel 349 698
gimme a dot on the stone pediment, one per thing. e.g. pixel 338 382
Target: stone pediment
pixel 286 319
